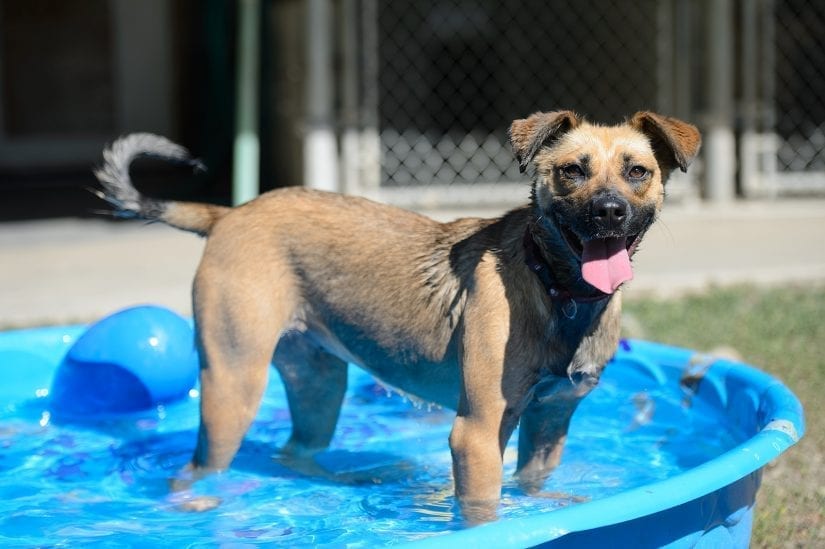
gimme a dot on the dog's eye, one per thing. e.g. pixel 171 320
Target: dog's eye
pixel 573 171
pixel 637 172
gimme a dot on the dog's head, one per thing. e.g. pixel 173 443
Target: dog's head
pixel 599 188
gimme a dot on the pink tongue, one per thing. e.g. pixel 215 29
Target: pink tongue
pixel 606 264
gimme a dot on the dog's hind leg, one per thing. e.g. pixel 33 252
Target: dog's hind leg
pixel 239 321
pixel 233 377
pixel 315 383
pixel 236 351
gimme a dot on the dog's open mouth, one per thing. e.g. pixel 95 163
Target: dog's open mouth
pixel 605 261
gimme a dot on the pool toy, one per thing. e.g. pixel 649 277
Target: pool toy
pixel 128 361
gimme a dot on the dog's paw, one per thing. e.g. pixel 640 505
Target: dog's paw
pixel 478 512
pixel 197 504
pixel 562 497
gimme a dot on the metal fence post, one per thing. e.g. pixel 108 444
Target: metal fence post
pixel 350 136
pixel 720 146
pixel 370 138
pixel 247 153
pixel 320 144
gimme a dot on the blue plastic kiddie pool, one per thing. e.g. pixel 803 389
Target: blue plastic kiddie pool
pixel 666 451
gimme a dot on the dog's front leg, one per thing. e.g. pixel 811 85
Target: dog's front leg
pixel 546 419
pixel 477 463
pixel 491 398
pixel 543 430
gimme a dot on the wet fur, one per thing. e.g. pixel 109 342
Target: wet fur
pixel 448 312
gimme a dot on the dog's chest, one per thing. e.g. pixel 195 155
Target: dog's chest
pixel 564 335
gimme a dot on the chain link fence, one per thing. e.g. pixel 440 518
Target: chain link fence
pixel 800 85
pixel 447 77
pixel 453 75
pixel 782 144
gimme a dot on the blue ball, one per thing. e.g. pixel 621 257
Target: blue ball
pixel 129 361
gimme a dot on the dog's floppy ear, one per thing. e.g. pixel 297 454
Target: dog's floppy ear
pixel 675 143
pixel 529 134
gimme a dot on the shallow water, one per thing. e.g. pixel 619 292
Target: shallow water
pixel 386 478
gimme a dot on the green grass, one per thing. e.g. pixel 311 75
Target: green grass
pixel 782 331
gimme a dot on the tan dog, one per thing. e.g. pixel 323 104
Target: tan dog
pixel 503 320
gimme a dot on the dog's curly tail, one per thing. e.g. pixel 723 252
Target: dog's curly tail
pixel 119 191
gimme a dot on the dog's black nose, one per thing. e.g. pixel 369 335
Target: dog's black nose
pixel 609 211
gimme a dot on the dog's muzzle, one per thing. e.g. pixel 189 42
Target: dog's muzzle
pixel 609 212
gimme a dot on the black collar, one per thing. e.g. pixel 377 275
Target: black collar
pixel 535 262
